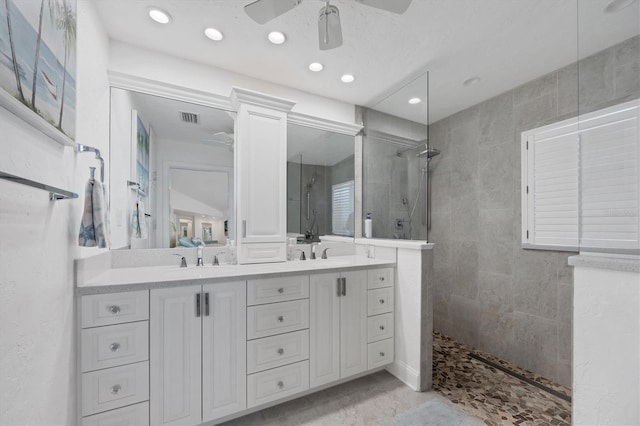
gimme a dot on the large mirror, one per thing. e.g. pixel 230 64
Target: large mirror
pixel 320 183
pixel 171 173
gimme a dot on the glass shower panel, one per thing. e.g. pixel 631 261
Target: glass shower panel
pixel 608 76
pixel 395 166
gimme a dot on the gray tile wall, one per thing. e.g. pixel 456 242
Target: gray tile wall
pixel 490 293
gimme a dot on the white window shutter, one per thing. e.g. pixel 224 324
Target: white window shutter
pixel 342 208
pixel 581 182
pixel 610 183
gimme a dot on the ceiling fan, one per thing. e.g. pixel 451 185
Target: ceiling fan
pixel 329 28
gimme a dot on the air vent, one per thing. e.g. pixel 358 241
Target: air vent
pixel 189 117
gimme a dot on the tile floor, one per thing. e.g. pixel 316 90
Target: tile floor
pixel 473 387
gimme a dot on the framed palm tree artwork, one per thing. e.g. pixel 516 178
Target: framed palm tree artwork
pixel 38 64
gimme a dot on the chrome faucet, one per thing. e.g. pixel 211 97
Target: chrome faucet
pixel 302 255
pixel 183 261
pixel 215 260
pixel 199 262
pixel 324 253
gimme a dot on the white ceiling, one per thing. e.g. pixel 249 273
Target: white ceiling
pixel 505 42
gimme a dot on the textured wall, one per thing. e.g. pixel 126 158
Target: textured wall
pixel 489 292
pixel 38 245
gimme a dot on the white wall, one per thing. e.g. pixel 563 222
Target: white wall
pixel 38 242
pixel 606 351
pixel 139 62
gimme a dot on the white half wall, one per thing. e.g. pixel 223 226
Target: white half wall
pixel 606 351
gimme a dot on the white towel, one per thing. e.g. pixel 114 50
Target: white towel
pixel 139 222
pixel 94 226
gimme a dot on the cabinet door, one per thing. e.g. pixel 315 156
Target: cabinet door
pixel 224 349
pixel 175 356
pixel 324 329
pixel 262 161
pixel 353 324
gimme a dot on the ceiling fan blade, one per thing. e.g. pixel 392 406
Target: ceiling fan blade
pixel 263 11
pixel 395 6
pixel 329 29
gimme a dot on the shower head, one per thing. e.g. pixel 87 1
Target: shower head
pixel 428 152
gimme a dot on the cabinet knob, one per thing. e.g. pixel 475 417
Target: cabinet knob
pixel 280 384
pixel 382 301
pixel 114 347
pixel 115 389
pixel 382 327
pixel 114 309
pixel 281 290
pixel 381 353
pixel 381 278
pixel 280 351
pixel 280 318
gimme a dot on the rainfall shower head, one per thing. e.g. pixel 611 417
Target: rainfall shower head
pixel 428 152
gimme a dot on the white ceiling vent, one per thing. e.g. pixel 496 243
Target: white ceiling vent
pixel 189 117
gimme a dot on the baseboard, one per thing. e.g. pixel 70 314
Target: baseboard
pixel 405 374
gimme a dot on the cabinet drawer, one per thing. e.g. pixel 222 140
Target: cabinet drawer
pixel 114 308
pixel 114 345
pixel 380 301
pixel 277 383
pixel 115 387
pixel 377 278
pixel 133 415
pixel 277 318
pixel 379 353
pixel 275 351
pixel 379 327
pixel 270 290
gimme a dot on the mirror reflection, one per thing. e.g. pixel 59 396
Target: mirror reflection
pixel 320 183
pixel 171 173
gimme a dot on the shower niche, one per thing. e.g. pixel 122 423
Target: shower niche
pixel 320 183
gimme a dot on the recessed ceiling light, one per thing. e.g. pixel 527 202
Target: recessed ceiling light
pixel 276 37
pixel 471 81
pixel 617 5
pixel 316 67
pixel 159 15
pixel 347 78
pixel 414 101
pixel 213 34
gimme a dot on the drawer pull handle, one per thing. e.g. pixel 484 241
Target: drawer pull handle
pixel 114 309
pixel 381 354
pixel 382 301
pixel 280 384
pixel 382 327
pixel 114 347
pixel 281 290
pixel 280 318
pixel 115 389
pixel 280 351
pixel 381 278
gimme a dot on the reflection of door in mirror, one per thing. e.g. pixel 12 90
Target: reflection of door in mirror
pixel 320 183
pixel 190 196
pixel 195 142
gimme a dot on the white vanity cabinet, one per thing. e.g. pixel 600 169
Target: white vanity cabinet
pixel 261 176
pixel 197 353
pixel 338 326
pixel 114 358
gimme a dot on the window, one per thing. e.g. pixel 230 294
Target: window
pixel 581 182
pixel 342 207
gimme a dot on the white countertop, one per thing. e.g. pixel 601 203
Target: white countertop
pixel 126 279
pixel 388 242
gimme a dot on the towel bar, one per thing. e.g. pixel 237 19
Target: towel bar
pixel 54 193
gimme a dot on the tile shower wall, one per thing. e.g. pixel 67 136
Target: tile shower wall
pixel 490 293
